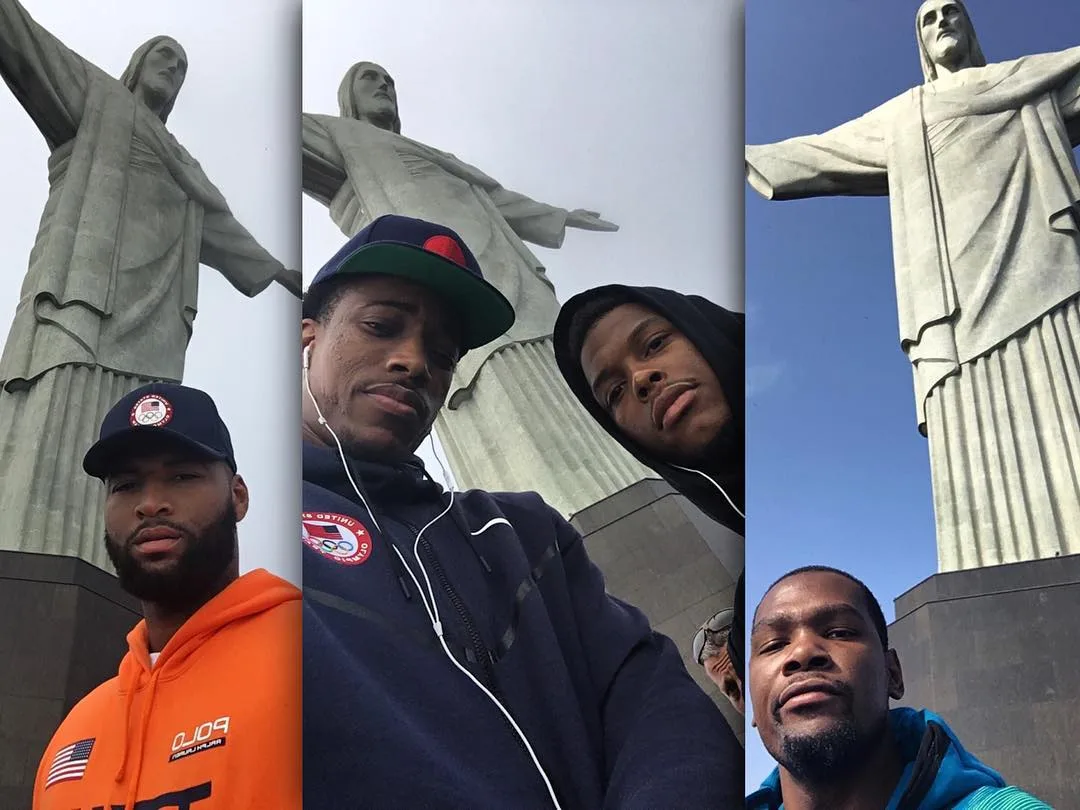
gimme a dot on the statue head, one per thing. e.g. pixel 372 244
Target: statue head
pixel 156 73
pixel 367 93
pixel 946 38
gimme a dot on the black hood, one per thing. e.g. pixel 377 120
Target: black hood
pixel 719 335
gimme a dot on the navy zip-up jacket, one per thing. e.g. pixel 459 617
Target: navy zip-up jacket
pixel 390 723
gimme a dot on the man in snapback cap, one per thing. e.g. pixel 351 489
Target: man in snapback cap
pixel 460 650
pixel 213 669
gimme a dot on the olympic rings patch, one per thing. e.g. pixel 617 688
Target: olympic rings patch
pixel 339 538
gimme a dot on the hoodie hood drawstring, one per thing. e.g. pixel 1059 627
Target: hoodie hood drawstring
pixel 129 700
pixel 140 740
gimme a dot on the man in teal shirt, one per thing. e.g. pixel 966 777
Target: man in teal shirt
pixel 821 677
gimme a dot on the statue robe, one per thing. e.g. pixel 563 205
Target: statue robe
pixel 108 302
pixel 511 423
pixel 984 195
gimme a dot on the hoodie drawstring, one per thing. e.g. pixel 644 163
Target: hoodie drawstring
pixel 400 573
pixel 128 701
pixel 139 741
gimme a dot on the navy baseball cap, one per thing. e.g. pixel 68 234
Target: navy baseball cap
pixel 186 415
pixel 430 255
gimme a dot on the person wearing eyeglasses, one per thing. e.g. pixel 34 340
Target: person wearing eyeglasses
pixel 718 647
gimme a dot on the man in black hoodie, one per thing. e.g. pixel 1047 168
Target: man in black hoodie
pixel 460 650
pixel 664 374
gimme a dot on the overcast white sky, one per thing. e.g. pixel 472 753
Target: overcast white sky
pixel 633 109
pixel 236 114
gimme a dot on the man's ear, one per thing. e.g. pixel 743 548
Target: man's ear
pixel 896 675
pixel 240 497
pixel 731 687
pixel 308 328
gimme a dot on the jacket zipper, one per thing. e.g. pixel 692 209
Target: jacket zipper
pixel 479 649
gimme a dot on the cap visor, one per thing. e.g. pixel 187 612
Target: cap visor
pixel 484 311
pixel 105 456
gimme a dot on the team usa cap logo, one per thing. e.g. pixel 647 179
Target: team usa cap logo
pixel 151 410
pixel 339 538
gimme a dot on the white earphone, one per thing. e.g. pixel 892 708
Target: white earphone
pixel 711 481
pixel 427 596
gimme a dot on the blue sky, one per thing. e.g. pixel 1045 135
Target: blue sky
pixel 837 471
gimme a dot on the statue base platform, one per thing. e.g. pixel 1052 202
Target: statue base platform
pixel 996 652
pixel 63 628
pixel 661 554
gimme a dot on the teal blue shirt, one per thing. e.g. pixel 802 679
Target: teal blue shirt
pixel 961 781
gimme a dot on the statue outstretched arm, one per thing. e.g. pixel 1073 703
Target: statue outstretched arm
pixel 323 167
pixel 543 224
pixel 848 160
pixel 48 79
pixel 232 251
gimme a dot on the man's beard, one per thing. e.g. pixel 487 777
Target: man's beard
pixel 199 569
pixel 831 755
pixel 402 449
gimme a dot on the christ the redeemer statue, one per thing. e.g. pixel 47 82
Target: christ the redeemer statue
pixel 985 202
pixel 108 302
pixel 510 424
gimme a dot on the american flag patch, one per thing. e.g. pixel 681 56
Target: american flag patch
pixel 70 762
pixel 324 531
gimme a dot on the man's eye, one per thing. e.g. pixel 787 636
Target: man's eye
pixel 613 395
pixel 378 327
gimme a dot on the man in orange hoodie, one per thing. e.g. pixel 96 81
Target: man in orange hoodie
pixel 205 712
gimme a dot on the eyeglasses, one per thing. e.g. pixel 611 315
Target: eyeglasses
pixel 719 623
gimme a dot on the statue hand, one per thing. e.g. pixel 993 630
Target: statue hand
pixel 589 221
pixel 291 280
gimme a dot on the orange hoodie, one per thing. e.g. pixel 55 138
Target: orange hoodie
pixel 215 724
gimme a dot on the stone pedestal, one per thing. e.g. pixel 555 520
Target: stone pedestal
pixel 63 625
pixel 661 554
pixel 996 652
